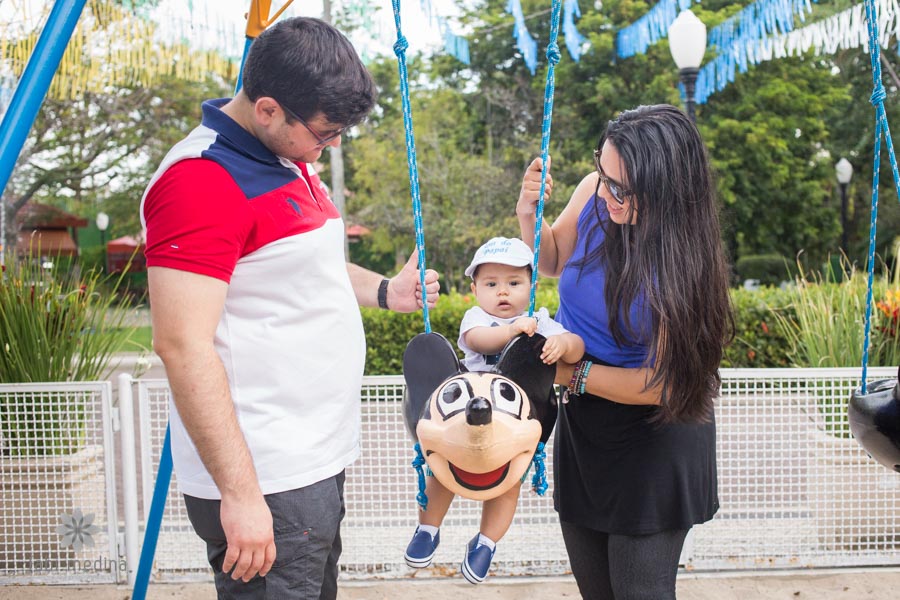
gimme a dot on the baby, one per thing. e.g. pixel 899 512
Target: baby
pixel 501 282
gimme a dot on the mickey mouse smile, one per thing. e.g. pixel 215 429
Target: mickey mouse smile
pixel 479 481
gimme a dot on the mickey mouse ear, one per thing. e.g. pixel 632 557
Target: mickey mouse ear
pixel 429 359
pixel 521 362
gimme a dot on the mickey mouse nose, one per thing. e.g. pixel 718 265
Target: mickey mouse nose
pixel 478 411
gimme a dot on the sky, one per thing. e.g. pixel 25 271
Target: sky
pixel 421 32
pixel 221 23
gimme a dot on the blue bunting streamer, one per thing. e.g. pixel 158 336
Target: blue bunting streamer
pixel 526 44
pixel 653 26
pixel 732 40
pixel 758 20
pixel 734 37
pixel 574 40
pixel 454 45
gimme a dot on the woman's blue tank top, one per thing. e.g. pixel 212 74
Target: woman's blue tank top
pixel 582 302
pixel 615 470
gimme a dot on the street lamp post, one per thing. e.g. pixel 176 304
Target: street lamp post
pixel 687 42
pixel 844 172
pixel 102 224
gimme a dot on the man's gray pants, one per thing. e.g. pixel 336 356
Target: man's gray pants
pixel 307 524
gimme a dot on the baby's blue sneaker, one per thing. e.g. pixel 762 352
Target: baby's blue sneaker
pixel 477 561
pixel 421 549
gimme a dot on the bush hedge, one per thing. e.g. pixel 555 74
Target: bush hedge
pixel 758 342
pixel 768 269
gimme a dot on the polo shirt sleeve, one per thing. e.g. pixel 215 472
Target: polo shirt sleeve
pixel 197 219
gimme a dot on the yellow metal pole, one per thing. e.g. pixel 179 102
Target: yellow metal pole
pixel 258 18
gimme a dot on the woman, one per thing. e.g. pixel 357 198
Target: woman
pixel 644 281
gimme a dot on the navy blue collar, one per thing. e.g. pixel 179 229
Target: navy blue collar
pixel 233 135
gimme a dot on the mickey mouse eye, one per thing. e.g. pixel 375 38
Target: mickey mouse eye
pixel 507 397
pixel 453 397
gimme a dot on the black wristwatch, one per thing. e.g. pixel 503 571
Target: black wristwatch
pixel 382 293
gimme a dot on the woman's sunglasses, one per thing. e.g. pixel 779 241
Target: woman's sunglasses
pixel 619 193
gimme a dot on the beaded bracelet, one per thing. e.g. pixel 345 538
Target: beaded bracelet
pixel 573 382
pixel 585 369
pixel 578 382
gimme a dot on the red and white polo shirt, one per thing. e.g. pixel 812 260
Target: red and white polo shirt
pixel 290 335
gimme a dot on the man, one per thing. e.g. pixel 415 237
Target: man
pixel 255 314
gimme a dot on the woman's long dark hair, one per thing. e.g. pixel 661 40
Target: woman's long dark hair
pixel 672 256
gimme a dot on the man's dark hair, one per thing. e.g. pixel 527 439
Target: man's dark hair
pixel 310 67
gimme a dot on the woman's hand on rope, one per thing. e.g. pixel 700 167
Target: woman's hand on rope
pixel 531 187
pixel 404 292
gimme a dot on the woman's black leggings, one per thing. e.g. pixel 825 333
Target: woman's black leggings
pixel 623 567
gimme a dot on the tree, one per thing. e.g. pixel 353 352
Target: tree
pixel 465 199
pixel 766 133
pixel 853 137
pixel 117 102
pixel 98 153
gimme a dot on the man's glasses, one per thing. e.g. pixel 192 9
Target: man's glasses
pixel 320 139
pixel 619 193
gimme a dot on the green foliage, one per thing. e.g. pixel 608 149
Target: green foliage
pixel 761 341
pixel 772 175
pixel 61 326
pixel 758 342
pixel 364 254
pixel 98 152
pixel 92 258
pixel 465 198
pixel 826 323
pixel 825 328
pixel 768 269
pixel 54 327
pixel 774 135
pixel 141 337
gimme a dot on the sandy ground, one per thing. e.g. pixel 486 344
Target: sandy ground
pixel 869 584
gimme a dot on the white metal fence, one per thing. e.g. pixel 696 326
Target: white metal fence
pixel 57 483
pixel 795 490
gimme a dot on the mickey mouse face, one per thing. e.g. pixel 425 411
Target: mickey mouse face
pixel 478 431
pixel 478 435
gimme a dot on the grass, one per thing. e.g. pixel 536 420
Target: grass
pixel 141 339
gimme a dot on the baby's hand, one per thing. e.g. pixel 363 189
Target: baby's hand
pixel 553 350
pixel 526 325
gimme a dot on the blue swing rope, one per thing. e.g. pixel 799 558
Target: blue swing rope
pixel 400 47
pixel 553 56
pixel 417 463
pixel 881 125
pixel 539 479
